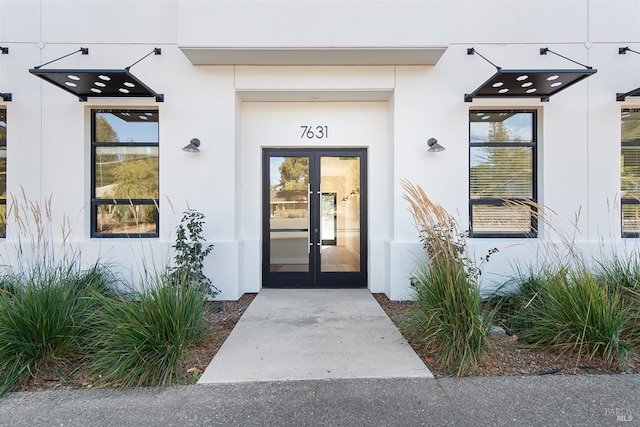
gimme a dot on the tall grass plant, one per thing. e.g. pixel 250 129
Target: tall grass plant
pixel 446 316
pixel 144 338
pixel 46 318
pixel 575 313
pixel 568 304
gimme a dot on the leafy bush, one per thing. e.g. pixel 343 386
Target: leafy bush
pixel 46 319
pixel 144 339
pixel 190 253
pixel 446 315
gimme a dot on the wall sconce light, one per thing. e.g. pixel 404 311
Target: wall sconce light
pixel 434 147
pixel 192 147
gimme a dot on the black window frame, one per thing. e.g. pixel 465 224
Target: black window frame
pixel 95 202
pixel 501 201
pixel 3 144
pixel 627 200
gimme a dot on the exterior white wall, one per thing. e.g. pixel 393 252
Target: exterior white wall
pixel 313 23
pixel 224 106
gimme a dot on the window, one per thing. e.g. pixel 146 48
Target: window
pixel 3 172
pixel 124 173
pixel 502 172
pixel 630 172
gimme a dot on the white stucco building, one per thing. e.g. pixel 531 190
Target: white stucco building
pixel 309 114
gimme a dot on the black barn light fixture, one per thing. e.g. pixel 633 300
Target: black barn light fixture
pixel 192 147
pixel 527 83
pixel 85 83
pixel 634 92
pixel 434 146
pixel 5 96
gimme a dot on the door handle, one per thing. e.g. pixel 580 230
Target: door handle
pixel 309 193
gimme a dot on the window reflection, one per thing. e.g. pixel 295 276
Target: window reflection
pixel 125 173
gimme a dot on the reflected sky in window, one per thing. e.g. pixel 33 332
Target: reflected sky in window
pixel 132 125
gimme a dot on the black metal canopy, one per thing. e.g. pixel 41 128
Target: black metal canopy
pixel 5 96
pixel 634 92
pixel 527 83
pixel 85 83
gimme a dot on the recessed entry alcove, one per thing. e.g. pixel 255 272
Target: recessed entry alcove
pixel 310 165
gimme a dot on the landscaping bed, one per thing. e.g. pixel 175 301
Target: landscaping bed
pixel 505 356
pixel 221 317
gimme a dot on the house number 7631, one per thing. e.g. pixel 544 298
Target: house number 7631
pixel 317 132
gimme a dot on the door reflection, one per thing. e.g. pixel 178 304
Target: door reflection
pixel 289 214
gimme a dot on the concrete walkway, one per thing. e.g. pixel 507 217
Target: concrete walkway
pixel 306 334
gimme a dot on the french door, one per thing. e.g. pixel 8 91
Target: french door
pixel 314 218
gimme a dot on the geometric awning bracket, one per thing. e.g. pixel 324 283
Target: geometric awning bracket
pixel 5 96
pixel 85 83
pixel 527 83
pixel 634 92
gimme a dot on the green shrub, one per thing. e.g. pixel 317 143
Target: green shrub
pixel 445 317
pixel 190 253
pixel 572 311
pixel 512 300
pixel 144 339
pixel 46 319
pixel 623 274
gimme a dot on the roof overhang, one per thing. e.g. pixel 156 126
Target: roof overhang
pixel 85 83
pixel 4 96
pixel 634 92
pixel 97 83
pixel 623 96
pixel 528 83
pixel 428 55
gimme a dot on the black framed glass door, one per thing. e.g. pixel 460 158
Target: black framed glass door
pixel 314 218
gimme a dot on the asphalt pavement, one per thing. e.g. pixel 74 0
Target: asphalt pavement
pixel 565 400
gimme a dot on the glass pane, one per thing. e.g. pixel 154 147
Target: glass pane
pixel 126 126
pixel 3 126
pixel 501 172
pixel 500 126
pixel 340 182
pixel 630 219
pixel 126 173
pixel 630 172
pixel 328 218
pixel 3 173
pixel 289 213
pixel 631 125
pixel 3 220
pixel 126 219
pixel 488 219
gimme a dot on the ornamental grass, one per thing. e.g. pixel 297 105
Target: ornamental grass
pixel 445 318
pixel 144 338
